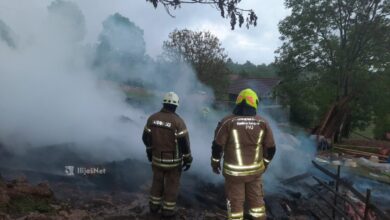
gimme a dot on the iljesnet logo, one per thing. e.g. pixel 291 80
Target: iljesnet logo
pixel 72 171
pixel 69 170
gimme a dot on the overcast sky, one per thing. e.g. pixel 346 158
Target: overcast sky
pixel 255 44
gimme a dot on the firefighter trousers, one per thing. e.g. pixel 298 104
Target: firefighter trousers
pixel 165 187
pixel 247 189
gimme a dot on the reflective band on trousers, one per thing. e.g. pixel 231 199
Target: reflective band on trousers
pixel 155 200
pixel 236 215
pixel 257 212
pixel 166 165
pixel 169 205
pixel 160 160
pixel 245 170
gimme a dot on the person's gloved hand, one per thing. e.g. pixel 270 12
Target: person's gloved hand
pixel 216 165
pixel 187 162
pixel 149 154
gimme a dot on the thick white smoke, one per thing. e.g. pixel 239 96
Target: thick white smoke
pixel 52 92
pixel 48 94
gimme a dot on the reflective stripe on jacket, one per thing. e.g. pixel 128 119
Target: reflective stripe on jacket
pixel 243 139
pixel 165 128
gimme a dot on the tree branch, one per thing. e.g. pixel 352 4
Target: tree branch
pixel 234 13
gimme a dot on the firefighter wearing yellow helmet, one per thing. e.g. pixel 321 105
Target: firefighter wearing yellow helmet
pixel 246 143
pixel 168 149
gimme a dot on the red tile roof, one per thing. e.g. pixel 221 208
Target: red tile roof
pixel 262 86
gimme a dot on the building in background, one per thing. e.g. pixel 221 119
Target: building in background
pixel 265 88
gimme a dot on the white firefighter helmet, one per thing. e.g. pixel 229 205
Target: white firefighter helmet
pixel 171 98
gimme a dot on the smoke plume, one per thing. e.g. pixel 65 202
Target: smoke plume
pixel 55 88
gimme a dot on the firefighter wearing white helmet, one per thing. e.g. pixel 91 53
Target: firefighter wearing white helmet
pixel 168 149
pixel 171 98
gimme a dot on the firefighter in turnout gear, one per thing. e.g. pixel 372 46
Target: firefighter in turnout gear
pixel 246 143
pixel 168 149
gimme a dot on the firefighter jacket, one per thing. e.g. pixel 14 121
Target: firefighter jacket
pixel 166 135
pixel 243 141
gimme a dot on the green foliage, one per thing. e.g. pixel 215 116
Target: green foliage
pixel 249 69
pixel 382 126
pixel 26 204
pixel 204 52
pixel 381 105
pixel 333 49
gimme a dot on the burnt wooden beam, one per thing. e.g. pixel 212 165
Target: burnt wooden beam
pixel 295 178
pixel 359 195
pixel 330 204
pixel 339 195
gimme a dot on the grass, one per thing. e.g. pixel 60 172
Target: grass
pixel 26 204
pixel 367 132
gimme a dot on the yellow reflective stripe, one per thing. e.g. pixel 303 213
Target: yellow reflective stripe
pixel 160 160
pixel 169 205
pixel 256 215
pixel 236 215
pixel 166 165
pixel 267 161
pixel 182 132
pixel 238 149
pixel 257 212
pixel 215 160
pixel 257 154
pixel 259 209
pixel 242 173
pixel 186 155
pixel 155 198
pixel 147 129
pixel 243 167
pixel 155 202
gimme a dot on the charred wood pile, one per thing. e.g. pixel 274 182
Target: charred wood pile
pixel 334 199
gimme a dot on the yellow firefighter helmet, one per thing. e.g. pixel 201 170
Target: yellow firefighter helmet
pixel 249 96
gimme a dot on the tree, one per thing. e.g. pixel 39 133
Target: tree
pixel 249 69
pixel 204 52
pixel 333 49
pixel 67 20
pixel 121 48
pixel 7 35
pixel 228 8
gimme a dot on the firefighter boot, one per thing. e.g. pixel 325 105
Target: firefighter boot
pixel 154 208
pixel 168 214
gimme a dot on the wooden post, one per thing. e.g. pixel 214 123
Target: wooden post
pixel 337 190
pixel 367 202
